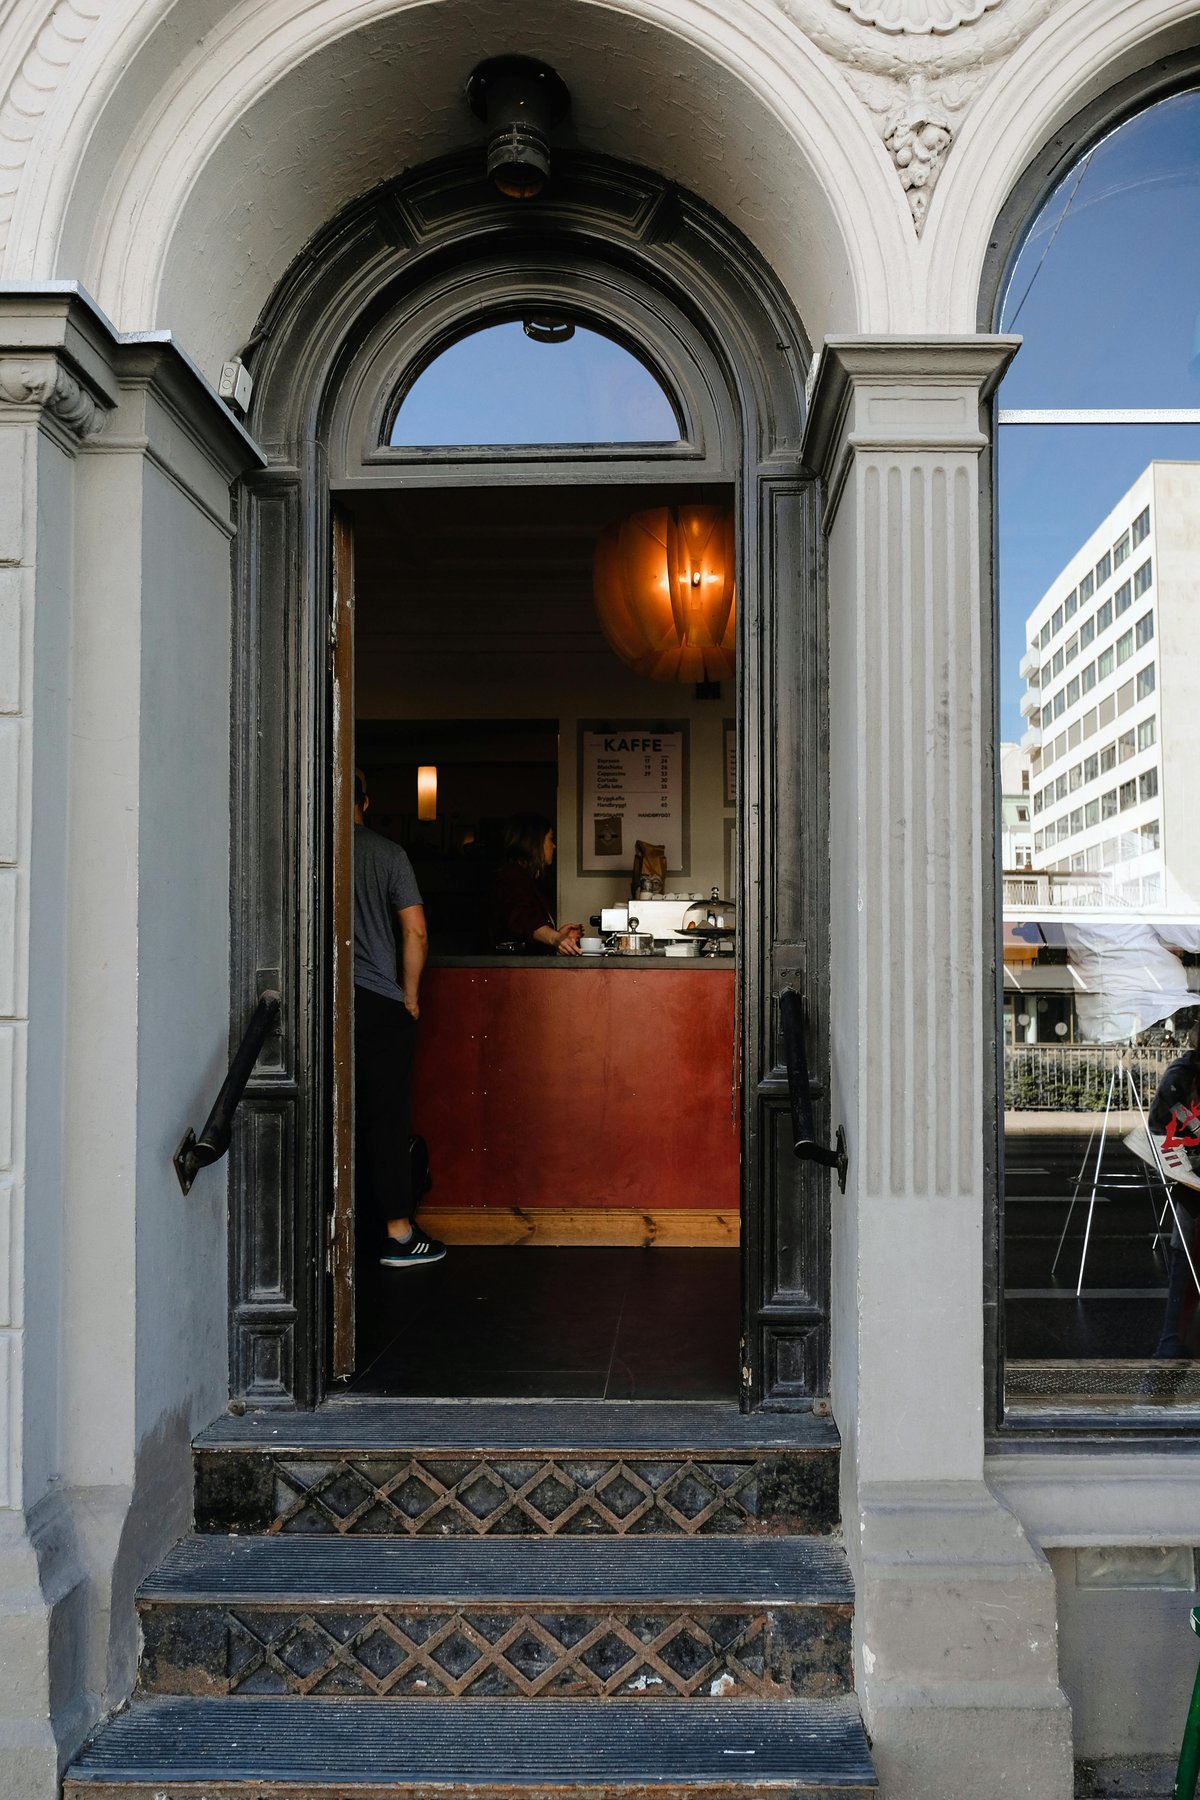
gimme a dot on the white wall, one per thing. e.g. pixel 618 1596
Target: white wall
pixel 115 539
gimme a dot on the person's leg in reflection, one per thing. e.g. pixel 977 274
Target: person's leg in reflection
pixel 1178 1336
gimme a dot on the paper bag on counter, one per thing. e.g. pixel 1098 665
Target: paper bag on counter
pixel 649 867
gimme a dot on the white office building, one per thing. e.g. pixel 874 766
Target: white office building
pixel 1113 724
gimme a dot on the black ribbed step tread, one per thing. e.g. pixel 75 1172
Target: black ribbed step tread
pixel 298 1570
pixel 533 1427
pixel 403 1748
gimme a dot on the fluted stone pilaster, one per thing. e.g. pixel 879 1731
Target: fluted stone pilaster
pixel 956 1616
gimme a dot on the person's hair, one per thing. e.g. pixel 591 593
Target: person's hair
pixel 360 788
pixel 525 841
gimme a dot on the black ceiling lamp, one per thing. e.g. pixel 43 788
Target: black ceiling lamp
pixel 520 101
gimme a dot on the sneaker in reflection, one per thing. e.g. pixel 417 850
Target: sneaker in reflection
pixel 412 1252
pixel 1171 1159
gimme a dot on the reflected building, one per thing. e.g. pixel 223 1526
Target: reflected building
pixel 1110 699
pixel 1098 930
pixel 1016 809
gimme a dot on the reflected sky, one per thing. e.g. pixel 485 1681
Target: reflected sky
pixel 1106 290
pixel 499 386
pixel 1106 294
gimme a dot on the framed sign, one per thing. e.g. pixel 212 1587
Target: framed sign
pixel 633 783
pixel 729 761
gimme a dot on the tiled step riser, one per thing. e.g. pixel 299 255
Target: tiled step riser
pixel 415 1651
pixel 466 1494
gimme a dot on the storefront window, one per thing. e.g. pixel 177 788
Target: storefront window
pixel 1098 458
pixel 535 382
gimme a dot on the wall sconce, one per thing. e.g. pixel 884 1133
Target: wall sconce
pixel 520 101
pixel 427 791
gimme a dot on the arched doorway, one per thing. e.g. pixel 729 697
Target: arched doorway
pixel 389 282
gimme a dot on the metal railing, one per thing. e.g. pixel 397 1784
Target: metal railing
pixel 1036 891
pixel 196 1153
pixel 1075 1077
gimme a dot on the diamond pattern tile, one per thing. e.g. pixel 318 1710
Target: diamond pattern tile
pixel 456 1497
pixel 455 1652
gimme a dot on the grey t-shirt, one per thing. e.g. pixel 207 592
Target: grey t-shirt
pixel 383 881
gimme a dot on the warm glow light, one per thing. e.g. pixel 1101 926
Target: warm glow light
pixel 427 791
pixel 663 583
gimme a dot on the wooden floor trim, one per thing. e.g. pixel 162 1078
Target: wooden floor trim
pixel 579 1225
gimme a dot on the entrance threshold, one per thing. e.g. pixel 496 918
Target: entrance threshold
pixel 505 1322
pixel 351 1423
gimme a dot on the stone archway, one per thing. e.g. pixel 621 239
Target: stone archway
pixel 186 178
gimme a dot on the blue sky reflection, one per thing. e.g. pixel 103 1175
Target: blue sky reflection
pixel 1106 294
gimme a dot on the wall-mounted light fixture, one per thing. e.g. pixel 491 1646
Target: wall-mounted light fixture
pixel 427 791
pixel 520 101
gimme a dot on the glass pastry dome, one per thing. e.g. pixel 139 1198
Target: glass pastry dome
pixel 714 919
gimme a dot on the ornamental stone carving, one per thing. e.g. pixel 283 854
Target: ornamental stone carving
pixel 918 137
pixel 916 65
pixel 920 17
pixel 41 382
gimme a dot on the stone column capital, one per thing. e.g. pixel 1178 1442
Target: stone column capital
pixel 33 383
pixel 891 395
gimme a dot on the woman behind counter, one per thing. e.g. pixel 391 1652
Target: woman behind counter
pixel 518 913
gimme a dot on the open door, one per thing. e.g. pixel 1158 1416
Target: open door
pixel 341 1259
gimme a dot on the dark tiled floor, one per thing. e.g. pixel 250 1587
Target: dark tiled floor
pixel 1119 1313
pixel 514 1322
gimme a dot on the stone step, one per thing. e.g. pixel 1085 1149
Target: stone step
pixel 564 1618
pixel 411 1749
pixel 528 1470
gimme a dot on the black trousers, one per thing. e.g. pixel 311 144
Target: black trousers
pixel 1180 1310
pixel 385 1038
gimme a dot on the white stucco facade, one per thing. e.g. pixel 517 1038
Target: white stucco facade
pixel 161 166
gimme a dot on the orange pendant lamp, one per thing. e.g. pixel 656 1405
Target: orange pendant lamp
pixel 663 582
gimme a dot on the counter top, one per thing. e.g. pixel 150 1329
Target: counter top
pixel 555 961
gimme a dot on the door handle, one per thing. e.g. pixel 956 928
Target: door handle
pixel 804 1131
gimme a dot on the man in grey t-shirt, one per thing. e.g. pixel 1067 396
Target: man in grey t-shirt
pixel 386 1009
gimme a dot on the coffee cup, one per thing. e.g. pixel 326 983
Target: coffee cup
pixel 591 946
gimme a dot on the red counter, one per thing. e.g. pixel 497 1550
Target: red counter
pixel 580 1089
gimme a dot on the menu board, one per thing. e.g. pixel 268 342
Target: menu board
pixel 633 783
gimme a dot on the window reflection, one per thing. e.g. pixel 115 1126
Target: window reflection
pixel 1099 529
pixel 1107 285
pixel 501 386
pixel 1101 911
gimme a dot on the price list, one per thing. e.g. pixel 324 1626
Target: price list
pixel 633 782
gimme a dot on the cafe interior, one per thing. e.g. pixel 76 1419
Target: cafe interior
pixel 566 651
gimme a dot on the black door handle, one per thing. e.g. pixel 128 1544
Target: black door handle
pixel 804 1132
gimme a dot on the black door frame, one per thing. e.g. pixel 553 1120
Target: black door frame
pixel 381 289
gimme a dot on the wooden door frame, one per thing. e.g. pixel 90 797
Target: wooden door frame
pixel 388 282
